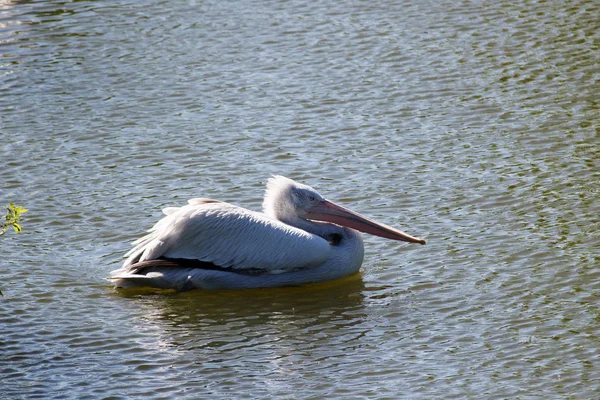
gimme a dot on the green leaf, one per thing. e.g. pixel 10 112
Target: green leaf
pixel 12 218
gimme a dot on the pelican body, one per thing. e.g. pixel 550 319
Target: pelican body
pixel 299 238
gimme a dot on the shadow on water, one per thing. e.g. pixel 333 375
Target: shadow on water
pixel 237 311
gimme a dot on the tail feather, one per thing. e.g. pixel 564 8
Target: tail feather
pixel 160 273
pixel 156 277
pixel 183 274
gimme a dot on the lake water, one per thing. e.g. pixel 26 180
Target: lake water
pixel 475 125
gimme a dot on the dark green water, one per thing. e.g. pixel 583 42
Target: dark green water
pixel 472 124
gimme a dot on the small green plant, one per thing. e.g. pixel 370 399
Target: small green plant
pixel 12 218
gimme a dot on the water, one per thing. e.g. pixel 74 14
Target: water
pixel 472 124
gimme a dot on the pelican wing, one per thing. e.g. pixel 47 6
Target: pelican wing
pixel 229 237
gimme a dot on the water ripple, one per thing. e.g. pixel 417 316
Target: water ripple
pixel 473 125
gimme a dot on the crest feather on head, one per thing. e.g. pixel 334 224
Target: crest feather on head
pixel 277 186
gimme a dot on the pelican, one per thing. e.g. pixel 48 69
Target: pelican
pixel 299 238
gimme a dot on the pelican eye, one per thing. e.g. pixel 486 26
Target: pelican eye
pixel 334 239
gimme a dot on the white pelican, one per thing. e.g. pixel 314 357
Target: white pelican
pixel 300 238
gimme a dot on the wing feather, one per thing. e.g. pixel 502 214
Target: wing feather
pixel 229 237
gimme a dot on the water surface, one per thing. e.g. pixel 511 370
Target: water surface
pixel 472 124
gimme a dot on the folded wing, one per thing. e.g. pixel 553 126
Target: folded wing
pixel 229 237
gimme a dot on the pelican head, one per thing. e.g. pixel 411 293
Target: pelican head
pixel 287 201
